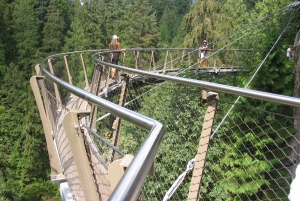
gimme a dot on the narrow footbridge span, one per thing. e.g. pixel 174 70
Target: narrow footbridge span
pixel 145 135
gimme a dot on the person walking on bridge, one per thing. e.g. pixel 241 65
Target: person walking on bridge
pixel 114 45
pixel 203 54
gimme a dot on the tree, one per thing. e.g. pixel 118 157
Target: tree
pixel 2 33
pixel 55 28
pixel 41 11
pixel 24 160
pixel 25 34
pixel 206 20
pixel 138 25
pixel 169 18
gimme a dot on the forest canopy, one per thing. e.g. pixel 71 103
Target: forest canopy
pixel 34 29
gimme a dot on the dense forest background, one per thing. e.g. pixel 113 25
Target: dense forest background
pixel 34 29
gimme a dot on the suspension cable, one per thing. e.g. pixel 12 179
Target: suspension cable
pixel 256 26
pixel 220 124
pixel 103 140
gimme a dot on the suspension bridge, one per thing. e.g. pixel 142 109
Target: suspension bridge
pixel 104 143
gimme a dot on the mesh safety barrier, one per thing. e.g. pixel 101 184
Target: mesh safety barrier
pixel 250 151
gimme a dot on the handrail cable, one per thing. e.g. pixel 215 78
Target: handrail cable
pixel 103 140
pixel 227 36
pixel 132 181
pixel 240 29
pixel 222 121
pixel 181 177
pixel 134 177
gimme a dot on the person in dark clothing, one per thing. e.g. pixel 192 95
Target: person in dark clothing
pixel 203 54
pixel 114 45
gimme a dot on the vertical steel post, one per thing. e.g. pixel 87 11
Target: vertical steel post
pixel 107 71
pixel 68 71
pixel 171 60
pixel 136 59
pixel 212 101
pixel 123 58
pixel 182 57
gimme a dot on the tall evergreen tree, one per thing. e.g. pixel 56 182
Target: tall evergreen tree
pixel 2 35
pixel 26 34
pixel 41 11
pixel 168 27
pixel 55 27
pixel 24 160
pixel 86 29
pixel 169 17
pixel 7 31
pixel 206 20
pixel 138 25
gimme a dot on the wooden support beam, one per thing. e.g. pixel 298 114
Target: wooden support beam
pixel 118 121
pixel 196 181
pixel 96 84
pixel 80 155
pixel 56 170
pixel 57 95
pixel 84 70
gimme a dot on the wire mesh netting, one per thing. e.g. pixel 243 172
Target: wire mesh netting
pixel 251 156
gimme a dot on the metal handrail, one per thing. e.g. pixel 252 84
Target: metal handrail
pixel 275 98
pixel 132 181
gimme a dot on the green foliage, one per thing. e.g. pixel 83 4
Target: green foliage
pixel 206 20
pixel 138 26
pixel 175 106
pixel 41 191
pixel 24 160
pixel 236 166
pixel 169 17
pixel 55 28
pixel 25 33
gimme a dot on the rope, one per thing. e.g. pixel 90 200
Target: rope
pixel 179 180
